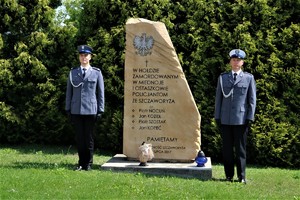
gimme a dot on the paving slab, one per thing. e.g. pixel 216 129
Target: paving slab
pixel 186 170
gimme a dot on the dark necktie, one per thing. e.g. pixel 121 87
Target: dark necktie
pixel 234 76
pixel 83 74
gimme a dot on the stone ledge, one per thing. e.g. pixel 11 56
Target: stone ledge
pixel 187 170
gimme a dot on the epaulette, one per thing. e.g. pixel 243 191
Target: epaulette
pixel 248 73
pixel 224 73
pixel 95 68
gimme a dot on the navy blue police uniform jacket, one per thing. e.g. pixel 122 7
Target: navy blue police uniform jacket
pixel 85 96
pixel 241 104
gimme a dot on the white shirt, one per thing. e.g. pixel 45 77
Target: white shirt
pixel 238 72
pixel 87 68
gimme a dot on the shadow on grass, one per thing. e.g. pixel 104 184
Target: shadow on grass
pixel 212 179
pixel 39 165
pixel 52 150
pixel 44 150
pixel 47 149
pixel 258 166
pixel 46 166
pixel 156 175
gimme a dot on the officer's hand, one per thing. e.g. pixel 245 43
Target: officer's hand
pixel 68 113
pixel 98 116
pixel 218 121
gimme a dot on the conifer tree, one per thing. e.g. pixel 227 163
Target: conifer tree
pixel 32 57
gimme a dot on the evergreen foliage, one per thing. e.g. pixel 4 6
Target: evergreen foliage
pixel 37 53
pixel 32 72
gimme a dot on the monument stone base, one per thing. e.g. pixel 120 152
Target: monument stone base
pixel 186 170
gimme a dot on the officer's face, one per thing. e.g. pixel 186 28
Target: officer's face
pixel 84 58
pixel 236 63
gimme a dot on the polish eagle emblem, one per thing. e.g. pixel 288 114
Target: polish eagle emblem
pixel 143 44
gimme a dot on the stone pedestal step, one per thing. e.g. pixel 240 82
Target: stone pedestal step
pixel 186 170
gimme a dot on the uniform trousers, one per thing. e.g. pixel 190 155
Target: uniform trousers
pixel 84 129
pixel 234 138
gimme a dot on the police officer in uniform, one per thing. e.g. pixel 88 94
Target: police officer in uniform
pixel 235 105
pixel 85 104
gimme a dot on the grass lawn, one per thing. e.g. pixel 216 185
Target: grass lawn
pixel 43 172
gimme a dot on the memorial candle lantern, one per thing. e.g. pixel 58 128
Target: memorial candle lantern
pixel 200 159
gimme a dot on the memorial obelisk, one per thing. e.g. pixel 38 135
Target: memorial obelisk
pixel 159 107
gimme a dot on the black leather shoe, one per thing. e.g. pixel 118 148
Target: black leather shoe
pixel 78 168
pixel 242 180
pixel 88 168
pixel 229 179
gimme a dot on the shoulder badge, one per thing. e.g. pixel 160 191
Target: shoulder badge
pixel 247 73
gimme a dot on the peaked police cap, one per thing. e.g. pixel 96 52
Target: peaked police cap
pixel 237 53
pixel 85 49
